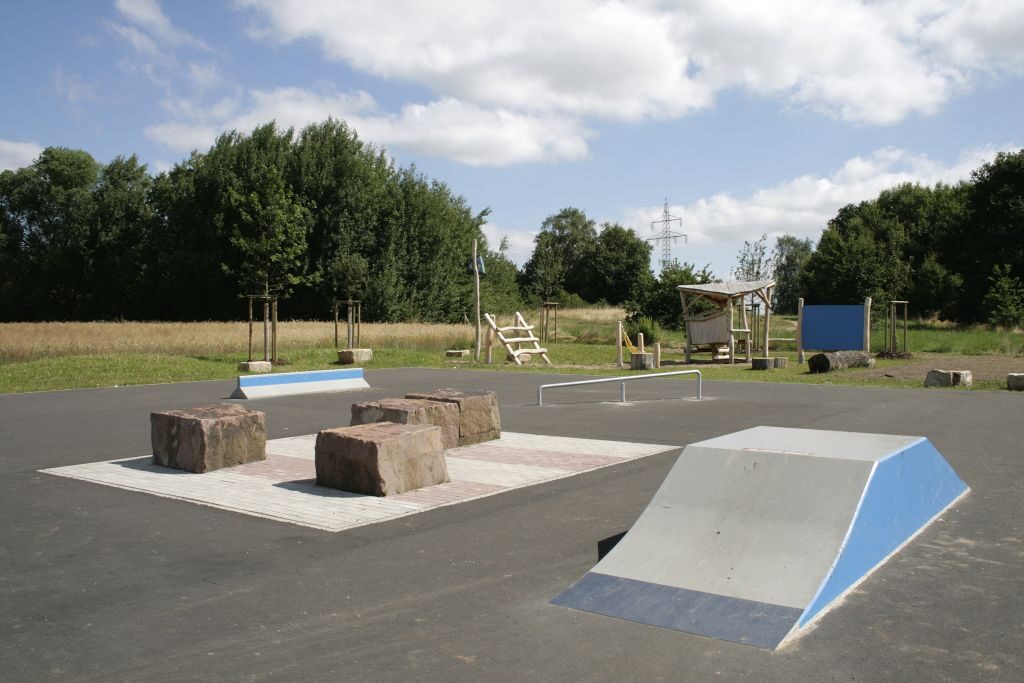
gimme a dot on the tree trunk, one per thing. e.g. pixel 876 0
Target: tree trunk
pixel 839 360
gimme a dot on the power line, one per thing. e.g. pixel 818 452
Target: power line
pixel 666 237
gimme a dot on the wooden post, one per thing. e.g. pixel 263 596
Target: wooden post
pixel 767 318
pixel 640 342
pixel 266 329
pixel 746 326
pixel 476 290
pixel 906 314
pixel 250 329
pixel 273 330
pixel 800 330
pixel 867 325
pixel 732 335
pixel 657 354
pixel 895 335
pixel 335 325
pixel 490 345
pixel 359 324
pixel 618 345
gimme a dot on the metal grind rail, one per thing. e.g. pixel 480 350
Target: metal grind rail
pixel 622 380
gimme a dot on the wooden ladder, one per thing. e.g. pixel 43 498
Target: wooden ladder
pixel 520 333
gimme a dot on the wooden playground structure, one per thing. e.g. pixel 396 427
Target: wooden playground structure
pixel 513 337
pixel 715 331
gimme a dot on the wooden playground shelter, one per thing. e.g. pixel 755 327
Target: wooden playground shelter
pixel 716 331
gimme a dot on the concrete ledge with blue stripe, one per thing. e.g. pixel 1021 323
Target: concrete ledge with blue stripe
pixel 754 535
pixel 291 383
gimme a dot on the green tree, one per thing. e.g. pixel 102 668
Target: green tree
pixel 660 301
pixel 789 256
pixel 753 262
pixel 1003 304
pixel 993 232
pixel 120 242
pixel 619 267
pixel 269 234
pixel 562 254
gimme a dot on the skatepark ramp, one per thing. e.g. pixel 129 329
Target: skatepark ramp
pixel 754 534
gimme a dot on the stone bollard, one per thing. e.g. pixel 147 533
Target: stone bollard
pixel 780 363
pixel 354 356
pixel 1015 381
pixel 948 378
pixel 641 361
pixel 256 367
pixel 762 363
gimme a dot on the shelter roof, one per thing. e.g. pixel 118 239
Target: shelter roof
pixel 726 290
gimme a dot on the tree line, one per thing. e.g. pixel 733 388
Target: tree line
pixel 320 215
pixel 311 217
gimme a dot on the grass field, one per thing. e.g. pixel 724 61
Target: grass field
pixel 49 356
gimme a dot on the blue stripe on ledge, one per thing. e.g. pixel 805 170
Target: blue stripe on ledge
pixel 717 616
pixel 298 377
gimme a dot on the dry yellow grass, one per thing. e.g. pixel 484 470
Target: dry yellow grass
pixel 28 341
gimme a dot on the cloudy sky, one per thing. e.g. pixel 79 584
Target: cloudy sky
pixel 747 117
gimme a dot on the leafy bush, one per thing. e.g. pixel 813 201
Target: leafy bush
pixel 645 324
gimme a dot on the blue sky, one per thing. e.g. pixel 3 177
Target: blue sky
pixel 749 118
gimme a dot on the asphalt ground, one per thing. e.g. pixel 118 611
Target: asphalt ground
pixel 98 583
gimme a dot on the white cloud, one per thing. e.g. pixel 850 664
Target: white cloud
pixel 873 63
pixel 468 133
pixel 148 15
pixel 520 242
pixel 204 76
pixel 14 155
pixel 71 87
pixel 801 206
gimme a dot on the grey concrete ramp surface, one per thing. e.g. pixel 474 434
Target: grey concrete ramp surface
pixel 753 534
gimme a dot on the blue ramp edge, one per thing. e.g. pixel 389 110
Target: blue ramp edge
pixel 906 491
pixel 298 377
pixel 705 614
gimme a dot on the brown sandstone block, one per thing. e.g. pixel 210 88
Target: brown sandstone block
pixel 412 411
pixel 208 438
pixel 380 459
pixel 479 419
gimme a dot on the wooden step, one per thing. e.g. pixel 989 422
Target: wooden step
pixel 530 352
pixel 519 340
pixel 515 328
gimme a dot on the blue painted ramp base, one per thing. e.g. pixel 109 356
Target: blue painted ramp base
pixel 754 535
pixel 291 383
pixel 704 614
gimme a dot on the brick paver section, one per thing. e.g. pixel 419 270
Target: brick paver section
pixel 283 487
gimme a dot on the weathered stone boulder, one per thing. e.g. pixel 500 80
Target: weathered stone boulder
pixel 1015 381
pixel 479 419
pixel 641 361
pixel 456 353
pixel 380 459
pixel 354 356
pixel 948 378
pixel 208 438
pixel 257 367
pixel 414 411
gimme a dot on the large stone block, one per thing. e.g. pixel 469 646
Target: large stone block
pixel 641 361
pixel 479 419
pixel 208 438
pixel 413 411
pixel 380 459
pixel 1015 381
pixel 354 356
pixel 948 378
